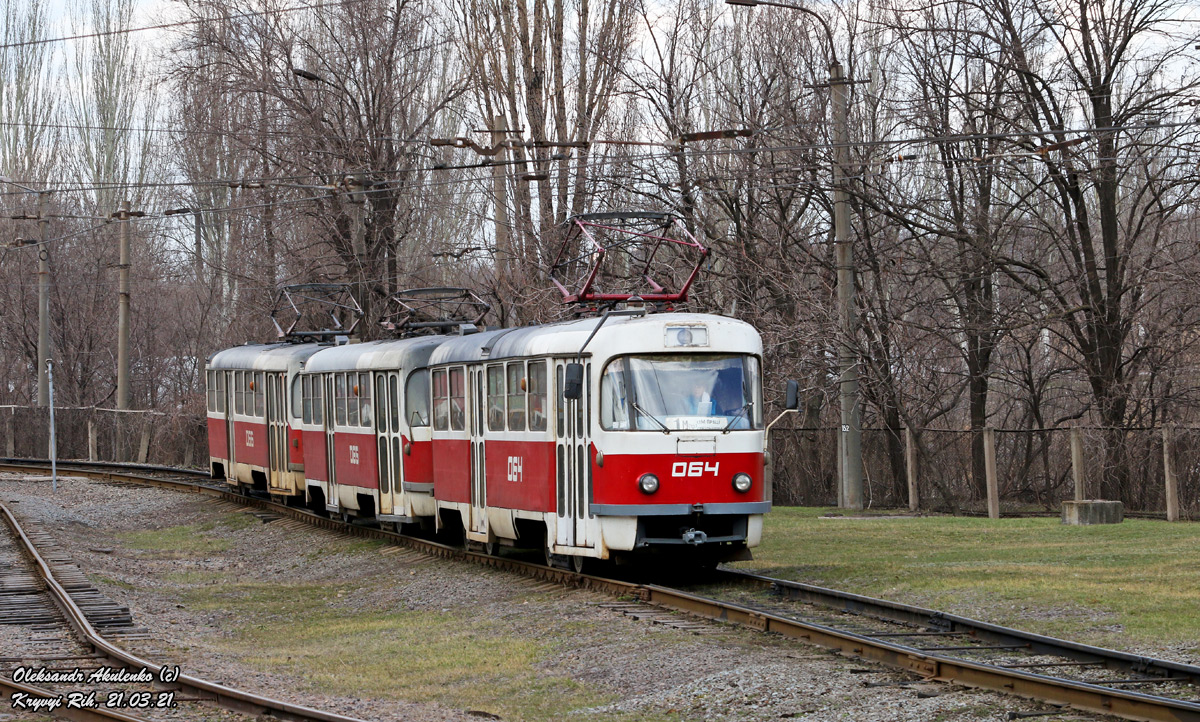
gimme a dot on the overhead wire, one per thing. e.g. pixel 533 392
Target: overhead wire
pixel 177 24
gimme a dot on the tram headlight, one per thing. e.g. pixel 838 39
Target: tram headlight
pixel 742 482
pixel 648 483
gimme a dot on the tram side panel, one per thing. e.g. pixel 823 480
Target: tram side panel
pixel 451 445
pixel 520 475
pixel 356 464
pixel 250 439
pixel 217 424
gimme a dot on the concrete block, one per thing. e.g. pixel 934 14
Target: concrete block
pixel 1093 511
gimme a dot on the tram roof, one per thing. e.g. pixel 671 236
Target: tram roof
pixel 389 354
pixel 264 357
pixel 619 334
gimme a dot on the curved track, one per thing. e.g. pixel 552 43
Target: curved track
pixel 930 644
pixel 105 650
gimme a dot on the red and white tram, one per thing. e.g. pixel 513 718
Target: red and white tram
pixel 594 438
pixel 659 448
pixel 251 444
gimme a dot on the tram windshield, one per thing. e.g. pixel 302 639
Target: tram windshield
pixel 676 392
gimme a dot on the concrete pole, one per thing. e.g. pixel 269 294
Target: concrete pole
pixel 43 346
pixel 198 216
pixel 93 440
pixel 1172 481
pixel 123 311
pixel 993 482
pixel 851 428
pixel 1077 462
pixel 500 197
pixel 910 464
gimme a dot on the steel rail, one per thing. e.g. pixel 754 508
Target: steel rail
pixel 1056 691
pixel 219 694
pixel 994 634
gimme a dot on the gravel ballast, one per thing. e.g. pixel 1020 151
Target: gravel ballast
pixel 631 669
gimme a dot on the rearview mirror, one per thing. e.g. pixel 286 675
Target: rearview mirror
pixel 792 399
pixel 573 382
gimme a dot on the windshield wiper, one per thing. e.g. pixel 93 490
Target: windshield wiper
pixel 653 418
pixel 741 412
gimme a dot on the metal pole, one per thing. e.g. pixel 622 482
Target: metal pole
pixel 123 311
pixel 43 346
pixel 53 440
pixel 851 428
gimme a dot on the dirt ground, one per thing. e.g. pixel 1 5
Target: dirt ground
pixel 384 633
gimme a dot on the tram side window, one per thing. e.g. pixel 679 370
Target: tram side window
pixel 495 398
pixel 306 398
pixel 537 395
pixel 364 399
pixel 211 391
pixel 381 394
pixel 220 391
pixel 560 403
pixel 260 395
pixel 297 398
pixel 458 400
pixel 416 397
pixel 318 400
pixel 441 401
pixel 393 403
pixel 339 399
pixel 516 396
pixel 239 383
pixel 352 399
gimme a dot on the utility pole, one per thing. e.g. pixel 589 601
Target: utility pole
pixel 198 215
pixel 357 210
pixel 850 433
pixel 43 303
pixel 500 191
pixel 123 310
pixel 850 436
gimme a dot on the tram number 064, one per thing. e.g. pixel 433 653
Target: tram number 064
pixel 694 468
pixel 514 467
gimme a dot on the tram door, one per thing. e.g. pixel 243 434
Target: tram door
pixel 276 432
pixel 332 502
pixel 387 431
pixel 229 435
pixel 479 522
pixel 574 479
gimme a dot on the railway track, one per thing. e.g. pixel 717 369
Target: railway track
pixel 67 649
pixel 932 645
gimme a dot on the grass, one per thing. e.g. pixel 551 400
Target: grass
pixel 1117 584
pixel 188 541
pixel 452 656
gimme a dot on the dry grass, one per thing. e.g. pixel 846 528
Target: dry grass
pixel 1126 584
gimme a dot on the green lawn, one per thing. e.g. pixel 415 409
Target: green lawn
pixel 1117 585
